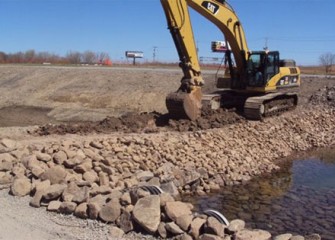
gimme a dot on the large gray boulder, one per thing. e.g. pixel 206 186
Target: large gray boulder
pixel 147 213
pixel 177 209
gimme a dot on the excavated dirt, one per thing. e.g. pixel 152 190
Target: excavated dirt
pixel 144 122
pixel 106 99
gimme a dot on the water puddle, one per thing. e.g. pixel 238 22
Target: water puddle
pixel 300 199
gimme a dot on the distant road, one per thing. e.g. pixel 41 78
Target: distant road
pixel 143 68
pixel 318 76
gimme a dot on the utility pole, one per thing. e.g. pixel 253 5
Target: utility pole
pixel 197 44
pixel 154 54
pixel 266 48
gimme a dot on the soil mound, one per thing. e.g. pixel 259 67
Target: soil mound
pixel 144 122
pixel 324 96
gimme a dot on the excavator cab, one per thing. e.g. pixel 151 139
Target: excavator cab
pixel 261 67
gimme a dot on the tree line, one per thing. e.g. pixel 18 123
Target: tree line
pixel 71 57
pixel 327 60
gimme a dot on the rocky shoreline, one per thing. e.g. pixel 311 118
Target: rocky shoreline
pixel 100 176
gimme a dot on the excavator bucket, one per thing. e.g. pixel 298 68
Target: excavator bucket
pixel 183 105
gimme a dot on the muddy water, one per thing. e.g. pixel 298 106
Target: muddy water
pixel 300 199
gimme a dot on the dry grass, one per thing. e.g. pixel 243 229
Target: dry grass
pixel 314 70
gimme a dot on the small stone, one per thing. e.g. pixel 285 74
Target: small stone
pixel 313 236
pixel 125 222
pixel 54 192
pixel 103 179
pixel 93 210
pixel 54 206
pixel 184 221
pixel 96 145
pixel 196 226
pixel 67 207
pixel 94 156
pixel 40 189
pixel 59 157
pixel 18 170
pixel 162 230
pixel 21 187
pixel 72 162
pixel 115 232
pixel 297 237
pixel 6 162
pixel 170 188
pixel 213 226
pixel 286 236
pixel 110 212
pixel 81 211
pixel 165 197
pixel 208 236
pixel 184 236
pixel 125 199
pixel 43 157
pixel 85 166
pixel 75 194
pixel 6 178
pixel 7 145
pixel 91 176
pixel 236 225
pixel 256 234
pixel 173 228
pixel 102 190
pixel 55 174
pixel 37 171
pixel 144 176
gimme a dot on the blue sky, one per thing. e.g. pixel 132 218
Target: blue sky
pixel 299 29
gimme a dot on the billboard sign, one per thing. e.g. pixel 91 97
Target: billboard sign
pixel 134 54
pixel 219 46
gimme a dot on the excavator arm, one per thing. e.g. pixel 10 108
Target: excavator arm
pixel 186 102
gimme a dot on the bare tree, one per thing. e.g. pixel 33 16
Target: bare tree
pixel 102 56
pixel 73 57
pixel 89 57
pixel 327 60
pixel 29 56
pixel 3 57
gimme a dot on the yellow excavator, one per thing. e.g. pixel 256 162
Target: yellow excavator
pixel 261 84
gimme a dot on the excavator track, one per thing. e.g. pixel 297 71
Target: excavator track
pixel 259 107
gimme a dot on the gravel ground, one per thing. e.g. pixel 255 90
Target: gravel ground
pixel 20 221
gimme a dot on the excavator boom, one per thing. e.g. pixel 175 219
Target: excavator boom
pixel 186 102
